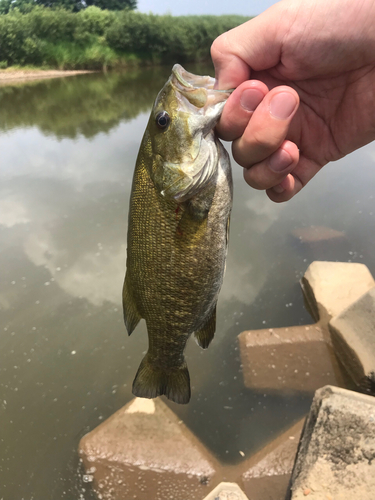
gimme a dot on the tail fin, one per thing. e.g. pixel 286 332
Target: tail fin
pixel 151 381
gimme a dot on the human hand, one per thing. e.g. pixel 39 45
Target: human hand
pixel 318 54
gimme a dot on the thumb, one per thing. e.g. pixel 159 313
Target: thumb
pixel 254 45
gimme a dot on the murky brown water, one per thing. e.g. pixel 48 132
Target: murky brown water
pixel 68 149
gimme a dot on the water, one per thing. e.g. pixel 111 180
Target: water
pixel 68 149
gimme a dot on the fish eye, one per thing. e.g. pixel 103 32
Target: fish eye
pixel 162 120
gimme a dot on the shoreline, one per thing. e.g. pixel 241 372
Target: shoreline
pixel 21 75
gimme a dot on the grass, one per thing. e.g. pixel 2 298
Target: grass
pixel 26 68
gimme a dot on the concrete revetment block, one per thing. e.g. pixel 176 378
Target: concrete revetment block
pixel 145 452
pixel 227 491
pixel 330 287
pixel 294 358
pixel 353 338
pixel 336 456
pixel 268 472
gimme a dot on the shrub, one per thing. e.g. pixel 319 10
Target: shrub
pixel 95 38
pixel 94 20
pixel 14 30
pixel 167 38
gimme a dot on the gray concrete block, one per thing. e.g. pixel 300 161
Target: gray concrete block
pixel 294 358
pixel 226 491
pixel 145 452
pixel 268 472
pixel 336 456
pixel 330 287
pixel 353 338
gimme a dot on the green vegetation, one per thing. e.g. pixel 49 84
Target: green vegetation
pixel 93 38
pixel 72 5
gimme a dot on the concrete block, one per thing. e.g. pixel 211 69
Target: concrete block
pixel 317 234
pixel 294 358
pixel 144 451
pixel 330 287
pixel 336 456
pixel 227 491
pixel 353 338
pixel 268 472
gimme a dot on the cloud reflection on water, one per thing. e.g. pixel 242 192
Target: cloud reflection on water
pixel 12 211
pixel 96 276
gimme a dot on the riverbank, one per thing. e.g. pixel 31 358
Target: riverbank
pixel 20 75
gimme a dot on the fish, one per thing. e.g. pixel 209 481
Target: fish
pixel 178 228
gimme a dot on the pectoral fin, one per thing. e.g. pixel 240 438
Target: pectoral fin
pixel 131 314
pixel 206 334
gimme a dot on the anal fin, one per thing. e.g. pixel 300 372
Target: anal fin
pixel 131 314
pixel 205 335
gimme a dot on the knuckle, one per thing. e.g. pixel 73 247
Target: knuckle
pixel 219 47
pixel 231 129
pixel 255 184
pixel 258 178
pixel 264 141
pixel 277 198
pixel 242 159
pixel 250 181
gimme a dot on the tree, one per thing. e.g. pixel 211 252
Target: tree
pixel 113 4
pixel 73 5
pixel 76 5
pixel 23 5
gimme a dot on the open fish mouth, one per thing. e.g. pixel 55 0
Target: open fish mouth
pixel 189 80
pixel 199 90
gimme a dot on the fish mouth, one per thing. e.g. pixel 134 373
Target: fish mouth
pixel 189 80
pixel 199 90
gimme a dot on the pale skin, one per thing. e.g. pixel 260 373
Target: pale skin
pixel 304 73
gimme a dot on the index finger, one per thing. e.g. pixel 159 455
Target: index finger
pixel 230 69
pixel 254 45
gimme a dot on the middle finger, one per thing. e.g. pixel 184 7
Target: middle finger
pixel 268 127
pixel 239 109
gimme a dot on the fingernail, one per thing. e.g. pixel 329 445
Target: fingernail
pixel 278 189
pixel 282 105
pixel 250 98
pixel 280 160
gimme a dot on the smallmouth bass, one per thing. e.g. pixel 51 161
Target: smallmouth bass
pixel 179 213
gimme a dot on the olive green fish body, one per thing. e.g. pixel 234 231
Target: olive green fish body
pixel 176 253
